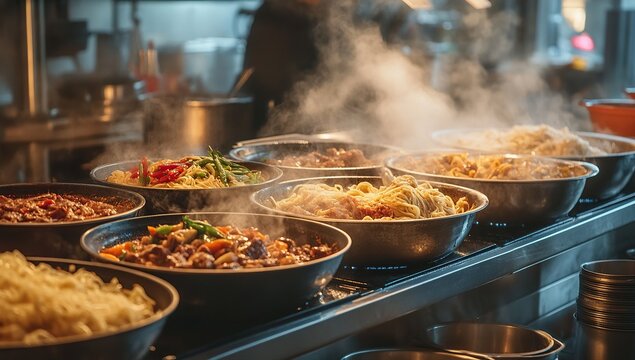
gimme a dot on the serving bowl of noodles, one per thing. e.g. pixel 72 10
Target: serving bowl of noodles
pixel 67 309
pixel 190 183
pixel 521 188
pixel 304 159
pixel 401 222
pixel 613 155
pixel 233 266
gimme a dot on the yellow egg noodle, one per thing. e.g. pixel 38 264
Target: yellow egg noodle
pixel 40 304
pixel 402 199
pixel 492 167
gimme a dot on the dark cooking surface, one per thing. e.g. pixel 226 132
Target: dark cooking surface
pixel 188 337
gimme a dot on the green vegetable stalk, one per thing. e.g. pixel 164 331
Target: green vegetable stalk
pixel 202 227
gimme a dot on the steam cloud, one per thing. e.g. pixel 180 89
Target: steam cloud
pixel 370 88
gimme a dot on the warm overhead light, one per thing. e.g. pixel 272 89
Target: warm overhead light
pixel 419 4
pixel 427 4
pixel 479 4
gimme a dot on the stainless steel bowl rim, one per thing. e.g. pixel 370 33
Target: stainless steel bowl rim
pixel 551 341
pixel 234 153
pixel 459 355
pixel 584 268
pixel 278 174
pixel 201 272
pixel 483 200
pixel 437 135
pixel 131 195
pixel 592 169
pixel 78 338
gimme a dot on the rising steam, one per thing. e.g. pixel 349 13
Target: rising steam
pixel 380 95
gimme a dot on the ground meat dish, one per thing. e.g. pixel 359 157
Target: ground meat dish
pixel 197 245
pixel 331 158
pixel 50 208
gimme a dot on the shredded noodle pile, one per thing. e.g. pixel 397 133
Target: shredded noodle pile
pixel 40 304
pixel 401 200
pixel 493 167
pixel 534 140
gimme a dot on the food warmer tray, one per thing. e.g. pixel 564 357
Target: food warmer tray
pixel 358 299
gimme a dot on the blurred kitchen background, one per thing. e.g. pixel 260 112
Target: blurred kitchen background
pixel 81 76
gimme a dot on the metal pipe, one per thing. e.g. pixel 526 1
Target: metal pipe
pixel 36 99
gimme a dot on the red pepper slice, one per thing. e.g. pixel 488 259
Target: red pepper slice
pixel 46 203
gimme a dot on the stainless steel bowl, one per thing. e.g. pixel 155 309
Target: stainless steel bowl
pixel 130 342
pixel 596 342
pixel 274 150
pixel 241 295
pixel 388 242
pixel 410 354
pixel 511 201
pixel 499 341
pixel 610 272
pixel 161 200
pixel 61 239
pixel 616 167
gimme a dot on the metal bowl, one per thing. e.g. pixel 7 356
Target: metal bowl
pixel 617 272
pixel 499 341
pixel 597 342
pixel 388 242
pixel 130 342
pixel 511 201
pixel 616 167
pixel 61 239
pixel 410 354
pixel 244 293
pixel 274 150
pixel 162 200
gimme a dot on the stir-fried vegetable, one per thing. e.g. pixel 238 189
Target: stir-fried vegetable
pixel 213 165
pixel 203 227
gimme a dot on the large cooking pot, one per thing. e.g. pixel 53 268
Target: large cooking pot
pixel 190 125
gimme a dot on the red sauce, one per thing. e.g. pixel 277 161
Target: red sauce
pixel 51 208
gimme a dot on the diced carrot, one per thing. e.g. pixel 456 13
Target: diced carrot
pixel 216 245
pixel 109 256
pixel 118 249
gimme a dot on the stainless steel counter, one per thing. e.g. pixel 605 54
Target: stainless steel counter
pixel 495 273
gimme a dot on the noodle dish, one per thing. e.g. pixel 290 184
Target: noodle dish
pixel 402 199
pixel 393 221
pixel 490 167
pixel 613 155
pixel 521 188
pixel 190 172
pixel 58 308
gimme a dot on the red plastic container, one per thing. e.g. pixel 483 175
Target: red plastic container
pixel 612 116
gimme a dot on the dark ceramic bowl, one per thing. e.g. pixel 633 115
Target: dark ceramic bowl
pixel 241 293
pixel 130 342
pixel 61 239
